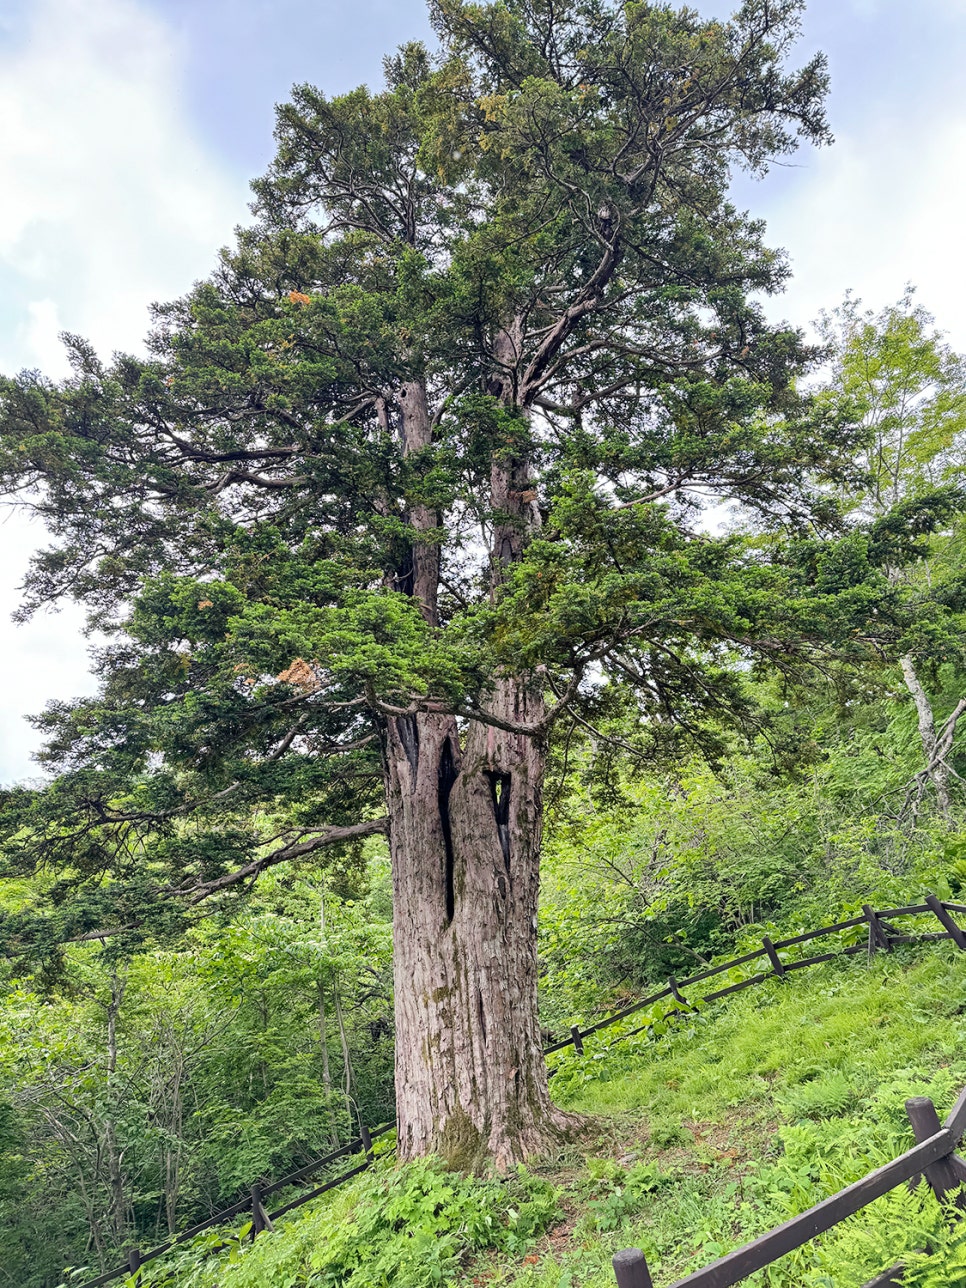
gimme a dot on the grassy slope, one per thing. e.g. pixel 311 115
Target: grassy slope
pixel 704 1138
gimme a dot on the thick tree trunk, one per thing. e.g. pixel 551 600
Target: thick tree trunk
pixel 465 828
pixel 465 837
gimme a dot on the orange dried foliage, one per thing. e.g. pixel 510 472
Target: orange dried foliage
pixel 301 675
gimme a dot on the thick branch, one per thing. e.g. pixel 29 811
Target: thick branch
pixel 298 849
pixel 936 747
pixel 432 706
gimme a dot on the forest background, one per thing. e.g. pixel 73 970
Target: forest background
pixel 144 1089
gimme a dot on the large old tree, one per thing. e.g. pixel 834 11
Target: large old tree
pixel 418 475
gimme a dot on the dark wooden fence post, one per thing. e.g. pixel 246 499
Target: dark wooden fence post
pixel 578 1040
pixel 956 933
pixel 631 1270
pixel 777 965
pixel 942 1175
pixel 956 1122
pixel 260 1218
pixel 878 936
pixel 366 1142
pixel 134 1262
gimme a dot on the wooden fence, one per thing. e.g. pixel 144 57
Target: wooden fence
pixel 882 936
pixel 254 1203
pixel 933 1156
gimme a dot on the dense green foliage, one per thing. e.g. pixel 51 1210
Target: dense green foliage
pixel 661 873
pixel 776 1099
pixel 449 417
pixel 449 412
pixel 726 1125
pixel 644 871
pixel 232 1045
pixel 248 1050
pixel 412 1228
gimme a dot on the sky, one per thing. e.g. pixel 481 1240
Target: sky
pixel 129 130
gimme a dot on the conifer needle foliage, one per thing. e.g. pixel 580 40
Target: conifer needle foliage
pixel 421 467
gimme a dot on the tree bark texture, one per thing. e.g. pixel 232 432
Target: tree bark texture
pixel 465 839
pixel 936 747
pixel 465 808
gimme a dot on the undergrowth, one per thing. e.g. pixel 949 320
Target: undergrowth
pixel 732 1120
pixel 411 1226
pixel 766 1103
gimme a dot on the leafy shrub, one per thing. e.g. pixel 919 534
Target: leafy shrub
pixel 666 1133
pixel 409 1227
pixel 619 1193
pixel 827 1097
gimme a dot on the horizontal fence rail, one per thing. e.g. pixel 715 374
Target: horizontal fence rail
pixel 882 936
pixel 254 1203
pixel 933 1157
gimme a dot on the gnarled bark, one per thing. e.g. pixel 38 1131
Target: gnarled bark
pixel 465 810
pixel 465 838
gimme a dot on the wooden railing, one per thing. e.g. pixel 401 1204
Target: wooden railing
pixel 933 1156
pixel 882 936
pixel 254 1203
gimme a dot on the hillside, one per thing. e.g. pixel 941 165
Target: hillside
pixel 501 616
pixel 696 1141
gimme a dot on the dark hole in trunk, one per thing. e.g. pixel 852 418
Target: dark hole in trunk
pixel 447 776
pixel 500 792
pixel 409 737
pixel 405 578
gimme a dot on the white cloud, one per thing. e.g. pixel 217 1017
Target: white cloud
pixel 39 335
pixel 45 659
pixel 882 207
pixel 109 202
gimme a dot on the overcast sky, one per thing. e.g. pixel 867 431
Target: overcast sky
pixel 129 130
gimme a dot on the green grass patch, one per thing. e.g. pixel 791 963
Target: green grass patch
pixel 763 1104
pixel 738 1117
pixel 410 1227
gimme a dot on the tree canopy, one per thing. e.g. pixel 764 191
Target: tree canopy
pixel 422 471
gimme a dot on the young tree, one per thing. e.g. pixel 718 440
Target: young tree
pixel 908 387
pixel 419 469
